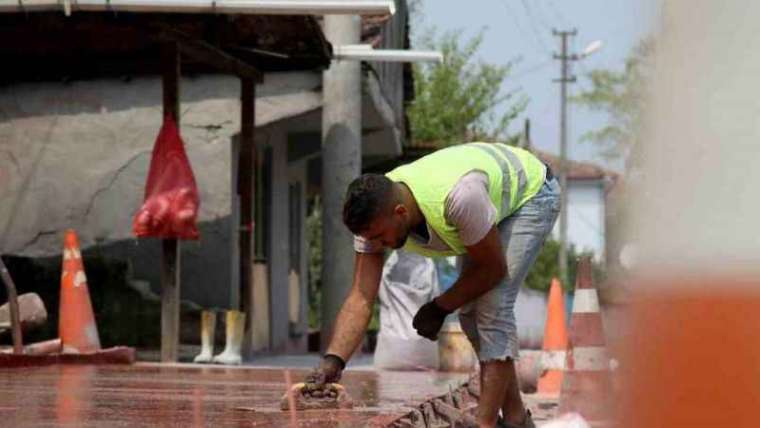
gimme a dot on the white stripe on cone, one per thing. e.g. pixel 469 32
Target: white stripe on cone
pixel 73 253
pixel 79 279
pixel 585 301
pixel 553 360
pixel 589 358
pixel 91 331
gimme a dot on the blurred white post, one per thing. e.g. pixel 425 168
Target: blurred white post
pixel 694 342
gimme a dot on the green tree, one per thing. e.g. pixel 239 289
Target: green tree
pixel 314 242
pixel 457 100
pixel 621 95
pixel 546 267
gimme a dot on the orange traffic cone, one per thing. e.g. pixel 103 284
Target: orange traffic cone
pixel 555 343
pixel 587 385
pixel 76 325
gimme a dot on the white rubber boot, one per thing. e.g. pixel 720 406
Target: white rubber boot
pixel 235 327
pixel 208 326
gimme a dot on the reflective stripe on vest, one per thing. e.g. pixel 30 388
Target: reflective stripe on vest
pixel 506 159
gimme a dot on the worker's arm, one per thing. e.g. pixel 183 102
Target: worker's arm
pixel 352 320
pixel 486 267
pixel 356 312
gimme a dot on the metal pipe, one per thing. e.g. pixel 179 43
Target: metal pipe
pixel 256 7
pixel 47 347
pixel 362 53
pixel 10 287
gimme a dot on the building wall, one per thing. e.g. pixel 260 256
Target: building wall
pixel 76 155
pixel 586 217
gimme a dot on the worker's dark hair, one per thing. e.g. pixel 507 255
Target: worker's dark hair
pixel 365 199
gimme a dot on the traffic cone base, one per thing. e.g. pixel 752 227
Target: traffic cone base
pixel 700 369
pixel 551 380
pixel 591 388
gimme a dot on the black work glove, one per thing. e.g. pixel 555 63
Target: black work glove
pixel 429 319
pixel 328 371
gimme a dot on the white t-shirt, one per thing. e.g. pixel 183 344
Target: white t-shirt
pixel 468 208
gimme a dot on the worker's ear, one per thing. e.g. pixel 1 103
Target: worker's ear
pixel 400 209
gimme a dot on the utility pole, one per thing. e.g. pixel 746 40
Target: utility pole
pixel 566 78
pixel 526 143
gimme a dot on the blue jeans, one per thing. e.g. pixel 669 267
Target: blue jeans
pixel 489 321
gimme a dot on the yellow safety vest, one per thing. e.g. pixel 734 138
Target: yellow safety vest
pixel 514 176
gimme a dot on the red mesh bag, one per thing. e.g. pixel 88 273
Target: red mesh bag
pixel 171 201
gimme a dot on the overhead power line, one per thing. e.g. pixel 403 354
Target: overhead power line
pixel 562 21
pixel 536 13
pixel 531 69
pixel 532 22
pixel 532 37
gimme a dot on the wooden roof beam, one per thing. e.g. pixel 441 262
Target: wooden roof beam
pixel 205 52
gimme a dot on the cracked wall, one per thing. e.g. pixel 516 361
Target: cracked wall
pixel 76 155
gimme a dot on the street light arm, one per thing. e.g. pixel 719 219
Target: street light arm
pixel 592 48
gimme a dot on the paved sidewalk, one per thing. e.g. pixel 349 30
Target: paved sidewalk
pixel 148 394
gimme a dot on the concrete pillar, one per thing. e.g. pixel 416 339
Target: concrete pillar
pixel 298 273
pixel 341 163
pixel 279 253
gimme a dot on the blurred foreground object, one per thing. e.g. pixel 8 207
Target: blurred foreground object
pixel 692 340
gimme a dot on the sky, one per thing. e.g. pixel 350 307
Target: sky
pixel 522 30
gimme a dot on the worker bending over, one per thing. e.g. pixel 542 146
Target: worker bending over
pixel 491 203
